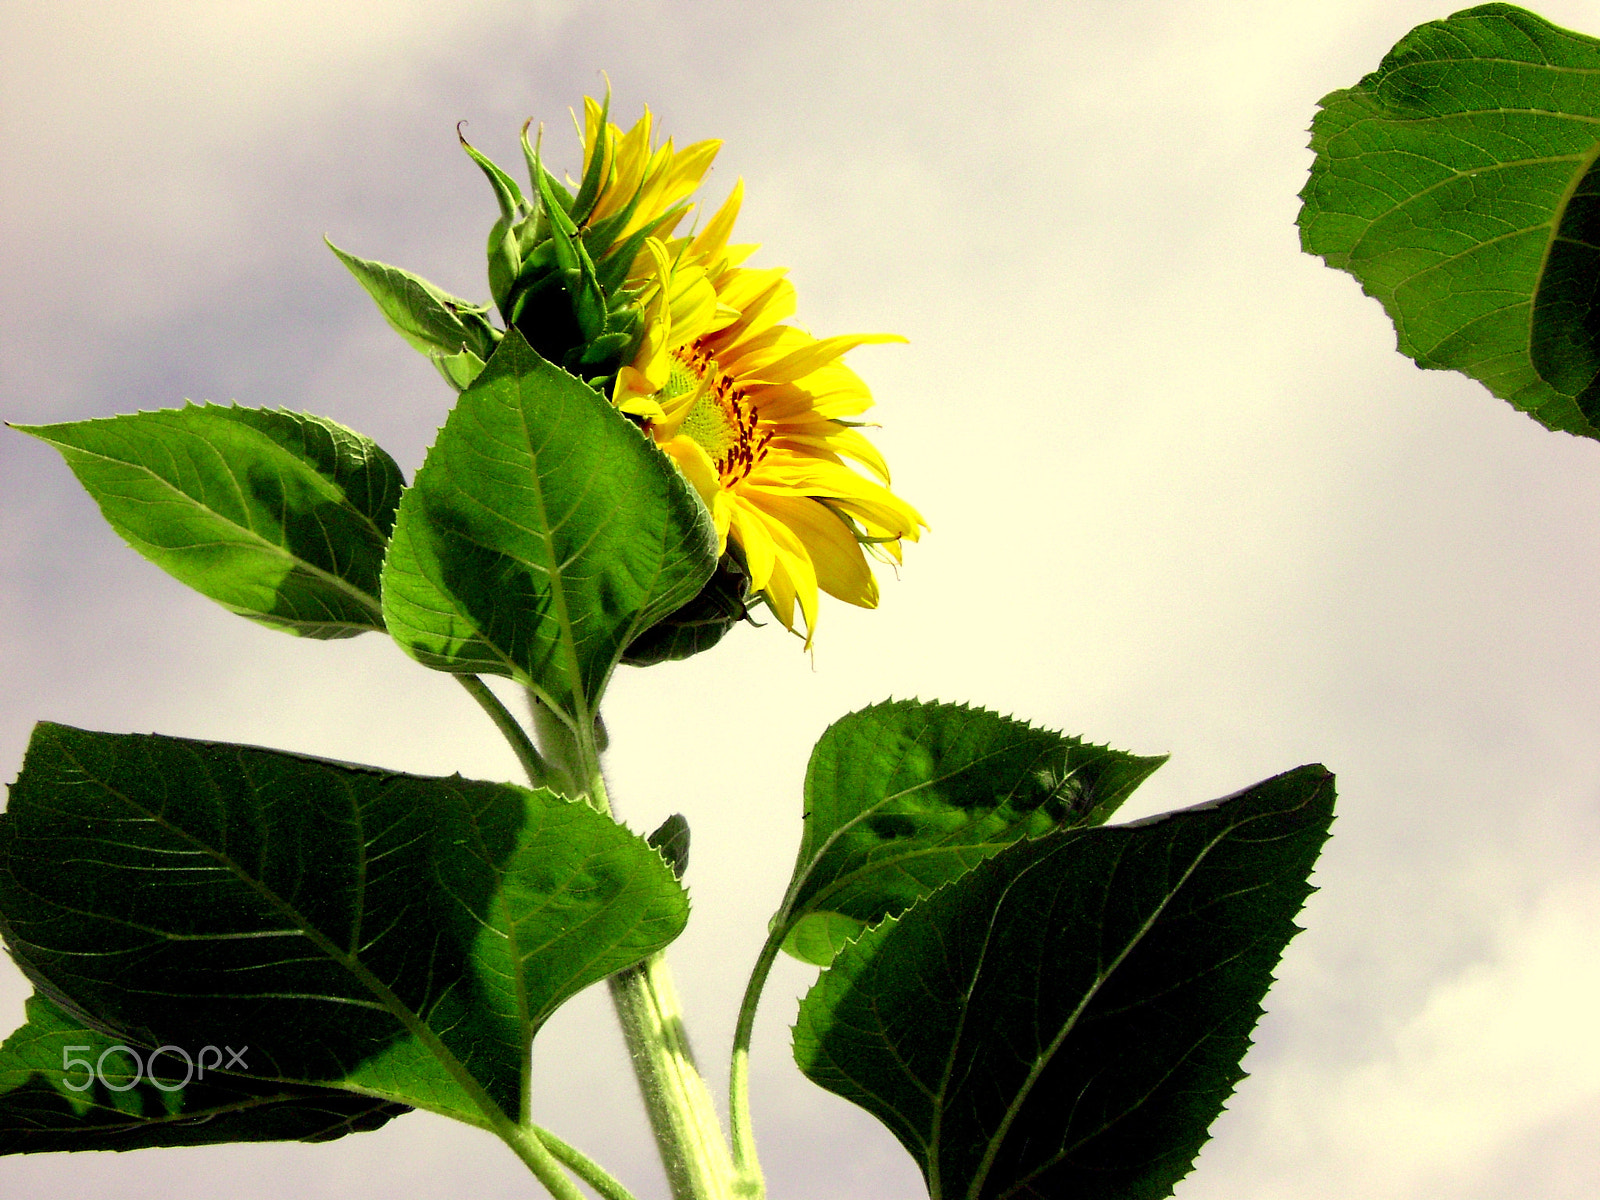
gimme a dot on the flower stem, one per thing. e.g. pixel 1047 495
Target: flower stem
pixel 682 1117
pixel 677 1101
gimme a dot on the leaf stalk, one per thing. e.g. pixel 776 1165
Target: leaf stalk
pixel 533 763
pixel 748 1180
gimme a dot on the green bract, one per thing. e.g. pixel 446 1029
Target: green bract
pixel 454 333
pixel 558 278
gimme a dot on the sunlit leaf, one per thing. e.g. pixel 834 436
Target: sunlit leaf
pixel 543 533
pixel 1458 183
pixel 904 796
pixel 281 517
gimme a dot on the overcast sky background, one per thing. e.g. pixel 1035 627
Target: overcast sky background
pixel 1185 498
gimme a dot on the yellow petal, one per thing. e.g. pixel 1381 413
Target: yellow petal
pixel 842 487
pixel 804 361
pixel 750 532
pixel 794 580
pixel 831 440
pixel 841 568
pixel 633 395
pixel 712 241
pixel 763 298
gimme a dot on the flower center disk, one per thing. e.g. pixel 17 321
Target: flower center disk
pixel 721 418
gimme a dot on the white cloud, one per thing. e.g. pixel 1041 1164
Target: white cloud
pixel 1499 1051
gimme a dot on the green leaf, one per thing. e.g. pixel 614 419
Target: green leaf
pixel 281 517
pixel 904 796
pixel 543 533
pixel 1458 184
pixel 66 1086
pixel 429 318
pixel 394 935
pixel 1068 1019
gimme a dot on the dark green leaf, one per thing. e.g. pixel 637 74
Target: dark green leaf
pixel 396 935
pixel 904 796
pixel 64 1086
pixel 1068 1019
pixel 431 320
pixel 1458 184
pixel 281 517
pixel 543 533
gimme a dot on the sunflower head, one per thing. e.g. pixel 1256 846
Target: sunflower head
pixel 760 416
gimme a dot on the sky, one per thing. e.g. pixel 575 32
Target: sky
pixel 1184 498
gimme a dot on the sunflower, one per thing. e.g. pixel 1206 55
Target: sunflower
pixel 758 416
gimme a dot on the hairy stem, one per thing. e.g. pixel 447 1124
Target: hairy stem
pixel 538 1159
pixel 682 1116
pixel 563 762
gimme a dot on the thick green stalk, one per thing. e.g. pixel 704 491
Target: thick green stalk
pixel 561 760
pixel 682 1115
